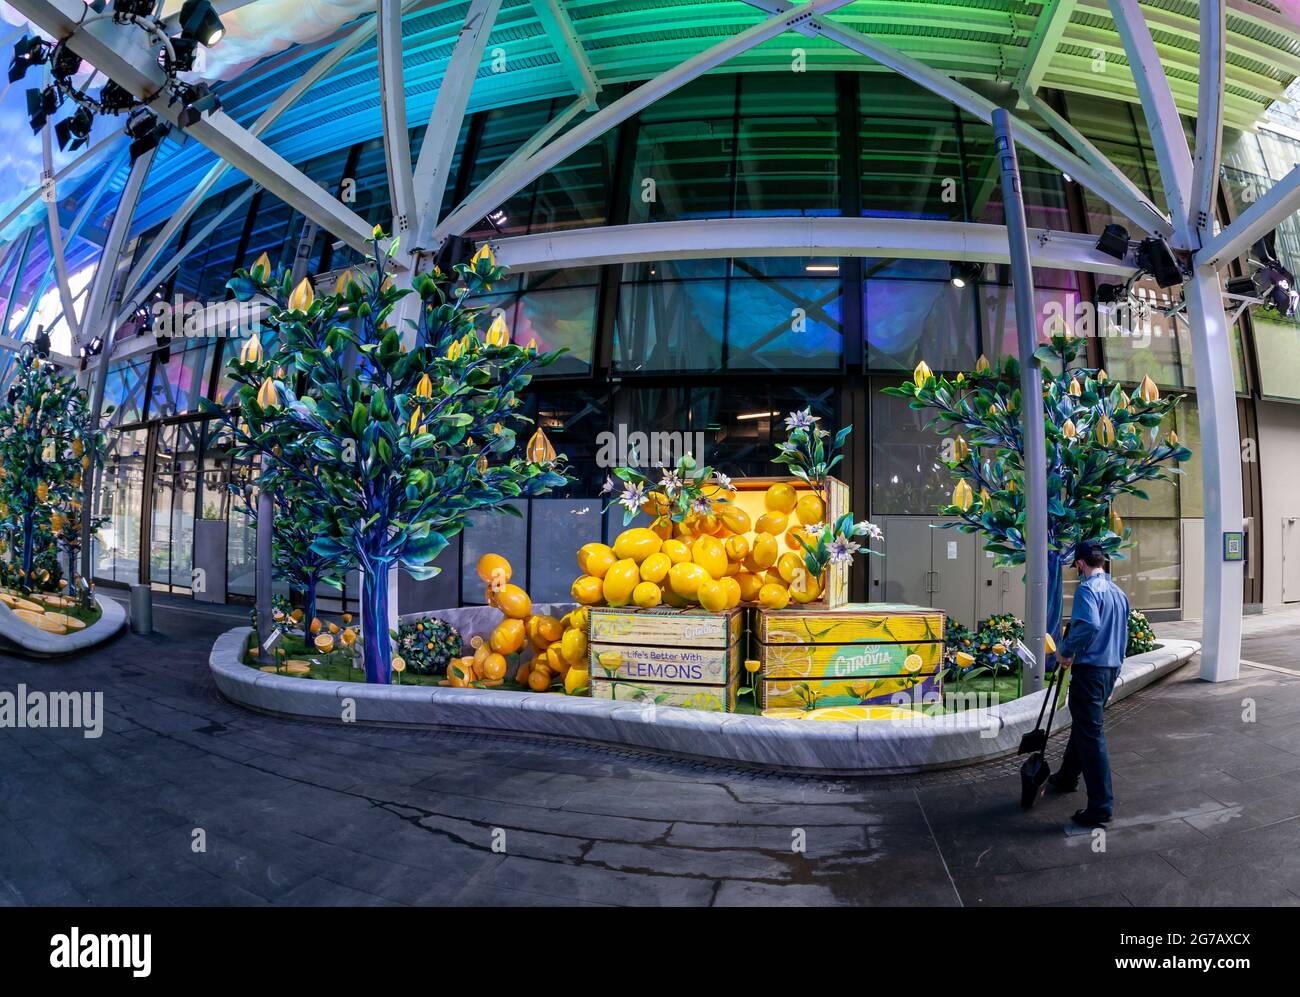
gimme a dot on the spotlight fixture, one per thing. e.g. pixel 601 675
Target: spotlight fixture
pixel 145 132
pixel 196 99
pixel 42 343
pixel 184 50
pixel 126 9
pixel 1242 287
pixel 73 132
pixel 29 51
pixel 65 64
pixel 40 105
pixel 1114 241
pixel 961 274
pixel 1156 258
pixel 1109 294
pixel 114 99
pixel 200 22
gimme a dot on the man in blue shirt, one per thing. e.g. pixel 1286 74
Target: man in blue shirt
pixel 1094 648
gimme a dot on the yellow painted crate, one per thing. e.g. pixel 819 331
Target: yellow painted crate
pixel 854 623
pixel 671 657
pixel 712 698
pixel 749 497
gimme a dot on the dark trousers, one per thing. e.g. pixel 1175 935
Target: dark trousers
pixel 1090 687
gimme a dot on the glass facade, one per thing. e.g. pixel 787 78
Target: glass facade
pixel 716 349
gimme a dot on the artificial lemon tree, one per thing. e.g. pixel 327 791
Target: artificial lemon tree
pixel 385 449
pixel 1102 443
pixel 46 439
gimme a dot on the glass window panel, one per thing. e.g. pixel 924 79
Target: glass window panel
pixel 1150 573
pixel 788 165
pixel 1191 483
pixel 683 169
pixel 183 380
pixel 493 533
pixel 906 476
pixel 1152 344
pixel 1162 496
pixel 906 164
pixel 1279 360
pixel 124 389
pixel 574 422
pixel 670 326
pixel 559 524
pixel 784 324
pixel 911 320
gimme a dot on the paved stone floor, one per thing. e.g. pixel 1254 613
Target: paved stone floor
pixel 306 813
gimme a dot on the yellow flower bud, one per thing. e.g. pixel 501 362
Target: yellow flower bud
pixel 415 427
pixel 251 351
pixel 484 252
pixel 1068 430
pixel 962 497
pixel 1105 431
pixel 345 280
pixel 263 264
pixel 456 348
pixel 1076 389
pixel 1147 390
pixel 267 396
pixel 377 232
pixel 1102 378
pixel 498 333
pixel 921 374
pixel 425 388
pixel 982 365
pixel 1116 523
pixel 960 449
pixel 1173 438
pixel 302 297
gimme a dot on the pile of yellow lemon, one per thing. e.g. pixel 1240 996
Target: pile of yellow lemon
pixel 716 560
pixel 558 645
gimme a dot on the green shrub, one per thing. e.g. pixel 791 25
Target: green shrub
pixel 1141 638
pixel 427 644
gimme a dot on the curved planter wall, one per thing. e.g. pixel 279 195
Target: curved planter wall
pixel 803 745
pixel 15 635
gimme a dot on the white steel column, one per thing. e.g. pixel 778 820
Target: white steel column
pixel 434 164
pixel 1211 353
pixel 392 103
pixel 1209 122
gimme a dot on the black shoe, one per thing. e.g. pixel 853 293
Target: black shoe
pixel 1057 786
pixel 1091 818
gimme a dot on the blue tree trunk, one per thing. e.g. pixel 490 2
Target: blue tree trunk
pixel 28 528
pixel 376 648
pixel 308 608
pixel 1055 602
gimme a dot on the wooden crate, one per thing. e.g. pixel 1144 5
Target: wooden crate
pixel 749 497
pixel 713 698
pixel 855 655
pixel 672 657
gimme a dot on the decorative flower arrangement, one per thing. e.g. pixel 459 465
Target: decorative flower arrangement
pixel 427 644
pixel 958 649
pixel 809 456
pixel 687 491
pixel 1141 637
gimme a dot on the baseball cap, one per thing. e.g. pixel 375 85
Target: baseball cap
pixel 1086 549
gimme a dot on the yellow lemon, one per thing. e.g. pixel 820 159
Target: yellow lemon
pixel 780 498
pixel 737 548
pixel 710 555
pixel 494 568
pixel 734 518
pixel 647 595
pixel 494 667
pixel 554 660
pixel 637 543
pixel 655 567
pixel 1050 644
pixel 507 638
pixel 805 589
pixel 671 598
pixel 732 588
pixel 762 553
pixel 573 647
pixel 620 580
pixel 772 522
pixel 788 565
pixel 539 680
pixel 773 596
pixel 549 629
pixel 514 602
pixel 810 509
pixel 599 562
pixel 587 590
pixel 576 680
pixel 685 579
pixel 587 550
pixel 662 527
pixel 749 584
pixel 655 504
pixel 677 551
pixel 712 596
pixel 792 539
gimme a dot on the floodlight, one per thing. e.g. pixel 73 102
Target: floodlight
pixel 199 21
pixel 1114 241
pixel 1156 258
pixel 73 132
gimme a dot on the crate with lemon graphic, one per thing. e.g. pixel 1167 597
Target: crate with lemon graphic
pixel 857 654
pixel 669 657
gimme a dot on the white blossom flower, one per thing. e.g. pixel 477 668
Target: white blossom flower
pixel 671 480
pixel 632 497
pixel 608 486
pixel 869 530
pixel 722 480
pixel 842 550
pixel 800 420
pixel 702 506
